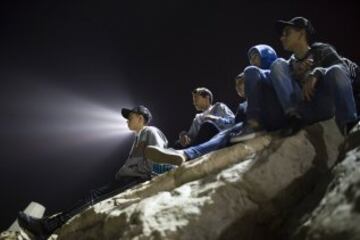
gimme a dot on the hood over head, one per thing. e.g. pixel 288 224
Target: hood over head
pixel 267 54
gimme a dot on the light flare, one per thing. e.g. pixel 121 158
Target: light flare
pixel 49 120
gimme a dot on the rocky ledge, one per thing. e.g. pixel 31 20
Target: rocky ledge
pixel 260 189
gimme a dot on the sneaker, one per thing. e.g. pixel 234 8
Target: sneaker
pixel 164 155
pixel 33 225
pixel 246 133
pixel 295 124
pixel 349 127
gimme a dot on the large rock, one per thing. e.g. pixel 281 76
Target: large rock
pixel 223 195
pixel 336 214
pixel 231 193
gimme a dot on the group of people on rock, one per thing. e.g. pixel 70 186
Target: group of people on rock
pixel 314 84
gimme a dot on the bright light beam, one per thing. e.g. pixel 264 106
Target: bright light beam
pixel 50 120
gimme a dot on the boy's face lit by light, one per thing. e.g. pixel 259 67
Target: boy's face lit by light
pixel 135 121
pixel 200 103
pixel 255 59
pixel 240 86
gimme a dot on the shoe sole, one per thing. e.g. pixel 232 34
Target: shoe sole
pixel 33 234
pixel 246 137
pixel 158 156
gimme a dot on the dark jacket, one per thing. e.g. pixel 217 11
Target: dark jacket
pixel 323 56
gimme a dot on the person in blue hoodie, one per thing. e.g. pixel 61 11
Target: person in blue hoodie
pixel 264 113
pixel 261 110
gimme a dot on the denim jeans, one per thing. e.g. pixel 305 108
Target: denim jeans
pixel 263 104
pixel 219 141
pixel 333 94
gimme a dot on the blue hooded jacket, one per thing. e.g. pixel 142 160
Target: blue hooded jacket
pixel 267 54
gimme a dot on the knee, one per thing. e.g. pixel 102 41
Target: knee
pixel 336 75
pixel 279 66
pixel 335 72
pixel 252 73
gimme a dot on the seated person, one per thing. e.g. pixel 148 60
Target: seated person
pixel 263 111
pixel 136 169
pixel 315 83
pixel 211 120
pixel 272 116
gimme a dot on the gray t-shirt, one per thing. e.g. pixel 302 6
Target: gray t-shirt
pixel 136 164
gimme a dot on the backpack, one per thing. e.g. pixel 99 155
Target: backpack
pixel 354 70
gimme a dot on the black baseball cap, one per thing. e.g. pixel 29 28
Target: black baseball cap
pixel 296 22
pixel 139 110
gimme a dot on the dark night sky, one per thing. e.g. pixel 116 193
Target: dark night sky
pixel 59 60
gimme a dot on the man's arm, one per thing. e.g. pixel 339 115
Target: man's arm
pixel 326 56
pixel 185 138
pixel 222 115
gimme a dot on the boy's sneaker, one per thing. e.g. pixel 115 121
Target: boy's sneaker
pixel 247 133
pixel 295 124
pixel 349 127
pixel 164 155
pixel 34 225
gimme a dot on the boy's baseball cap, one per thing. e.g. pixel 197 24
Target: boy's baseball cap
pixel 139 110
pixel 296 22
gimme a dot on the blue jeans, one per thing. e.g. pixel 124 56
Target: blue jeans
pixel 263 104
pixel 333 94
pixel 219 141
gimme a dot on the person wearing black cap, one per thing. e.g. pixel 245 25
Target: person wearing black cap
pixel 136 165
pixel 314 84
pixel 136 169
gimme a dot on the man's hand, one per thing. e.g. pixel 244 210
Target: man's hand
pixel 307 64
pixel 184 139
pixel 309 87
pixel 302 67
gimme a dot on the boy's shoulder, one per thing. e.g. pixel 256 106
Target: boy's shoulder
pixel 321 46
pixel 219 104
pixel 151 129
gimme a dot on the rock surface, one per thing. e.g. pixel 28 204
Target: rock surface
pixel 244 191
pixel 222 195
pixel 336 214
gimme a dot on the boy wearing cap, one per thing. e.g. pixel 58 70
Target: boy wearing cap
pixel 315 82
pixel 211 120
pixel 136 165
pixel 136 169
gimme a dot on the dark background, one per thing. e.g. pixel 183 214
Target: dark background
pixel 57 56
